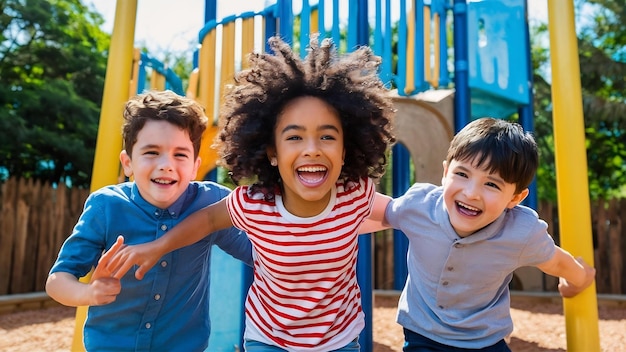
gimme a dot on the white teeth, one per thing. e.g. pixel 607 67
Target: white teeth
pixel 312 169
pixel 163 182
pixel 467 206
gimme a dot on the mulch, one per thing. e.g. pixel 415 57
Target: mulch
pixel 539 327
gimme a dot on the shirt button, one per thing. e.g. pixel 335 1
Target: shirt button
pixel 157 297
pixel 163 227
pixel 163 264
pixel 440 307
pixel 450 268
pixel 445 283
pixel 148 325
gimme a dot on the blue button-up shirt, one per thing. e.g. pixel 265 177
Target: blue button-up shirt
pixel 169 309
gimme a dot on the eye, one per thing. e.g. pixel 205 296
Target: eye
pixel 461 174
pixel 181 155
pixel 150 152
pixel 293 138
pixel 328 138
pixel 491 184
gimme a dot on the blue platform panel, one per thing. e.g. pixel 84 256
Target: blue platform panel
pixel 228 290
pixel 499 78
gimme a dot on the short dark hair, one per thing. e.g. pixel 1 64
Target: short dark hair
pixel 498 146
pixel 348 83
pixel 163 106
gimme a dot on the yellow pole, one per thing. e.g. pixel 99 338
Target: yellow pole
pixel 116 93
pixel 314 21
pixel 134 81
pixel 247 40
pixel 206 97
pixel 192 87
pixel 436 52
pixel 228 55
pixel 581 312
pixel 109 142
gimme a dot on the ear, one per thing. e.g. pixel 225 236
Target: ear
pixel 445 171
pixel 196 166
pixel 126 163
pixel 518 198
pixel 271 155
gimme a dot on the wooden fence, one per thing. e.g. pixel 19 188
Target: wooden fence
pixel 36 218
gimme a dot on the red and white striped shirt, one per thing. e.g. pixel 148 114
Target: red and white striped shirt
pixel 305 295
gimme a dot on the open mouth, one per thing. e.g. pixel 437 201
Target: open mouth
pixel 163 182
pixel 312 175
pixel 467 209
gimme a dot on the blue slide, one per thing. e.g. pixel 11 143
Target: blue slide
pixel 229 286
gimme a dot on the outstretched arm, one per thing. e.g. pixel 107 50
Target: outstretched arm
pixel 194 228
pixel 376 220
pixel 574 274
pixel 66 289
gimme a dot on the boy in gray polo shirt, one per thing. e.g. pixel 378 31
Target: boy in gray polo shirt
pixel 467 237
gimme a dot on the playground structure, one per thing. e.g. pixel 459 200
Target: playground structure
pixel 490 46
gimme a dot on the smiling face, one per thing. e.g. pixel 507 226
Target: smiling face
pixel 162 162
pixel 474 197
pixel 309 153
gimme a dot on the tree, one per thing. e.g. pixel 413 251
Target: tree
pixel 53 58
pixel 602 44
pixel 601 36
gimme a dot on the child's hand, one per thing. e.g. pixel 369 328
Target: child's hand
pixel 103 287
pixel 568 290
pixel 101 270
pixel 144 255
pixel 103 290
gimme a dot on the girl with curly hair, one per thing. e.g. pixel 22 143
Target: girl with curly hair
pixel 310 138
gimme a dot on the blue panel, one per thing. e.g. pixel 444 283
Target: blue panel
pixel 401 161
pixel 226 302
pixel 498 54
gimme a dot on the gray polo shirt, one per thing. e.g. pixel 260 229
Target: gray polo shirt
pixel 457 288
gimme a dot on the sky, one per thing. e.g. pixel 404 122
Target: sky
pixel 162 26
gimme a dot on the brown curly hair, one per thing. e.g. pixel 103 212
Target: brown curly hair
pixel 349 83
pixel 180 111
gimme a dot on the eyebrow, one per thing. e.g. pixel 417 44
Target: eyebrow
pixel 157 146
pixel 301 128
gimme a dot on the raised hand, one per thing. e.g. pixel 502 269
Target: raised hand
pixel 101 270
pixel 144 255
pixel 567 290
pixel 103 287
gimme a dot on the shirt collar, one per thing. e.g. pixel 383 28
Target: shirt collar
pixel 173 210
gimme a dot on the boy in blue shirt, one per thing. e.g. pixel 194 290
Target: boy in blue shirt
pixel 468 236
pixel 169 309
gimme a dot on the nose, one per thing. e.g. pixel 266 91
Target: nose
pixel 312 148
pixel 165 163
pixel 472 190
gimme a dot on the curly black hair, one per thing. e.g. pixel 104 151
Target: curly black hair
pixel 349 83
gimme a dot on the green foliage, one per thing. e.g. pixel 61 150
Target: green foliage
pixel 601 27
pixel 52 65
